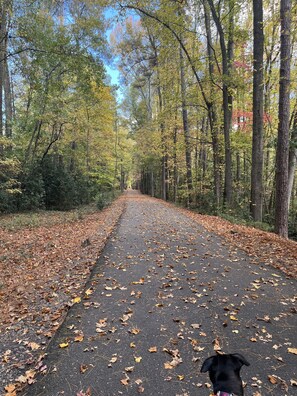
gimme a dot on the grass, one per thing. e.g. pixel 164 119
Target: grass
pixel 17 221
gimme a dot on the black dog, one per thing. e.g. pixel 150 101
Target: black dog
pixel 224 373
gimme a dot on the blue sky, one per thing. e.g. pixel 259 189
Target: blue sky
pixel 111 70
pixel 113 73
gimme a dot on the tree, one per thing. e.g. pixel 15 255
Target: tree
pixel 257 146
pixel 282 153
pixel 227 51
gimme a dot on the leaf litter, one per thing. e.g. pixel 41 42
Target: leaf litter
pixel 43 271
pixel 170 281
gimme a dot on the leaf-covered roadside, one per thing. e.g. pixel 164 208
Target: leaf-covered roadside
pixel 42 271
pixel 264 247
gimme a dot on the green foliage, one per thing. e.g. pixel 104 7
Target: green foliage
pixel 63 190
pixel 64 141
pixel 9 183
pixel 32 186
pixel 105 198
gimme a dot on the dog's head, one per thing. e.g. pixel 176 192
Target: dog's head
pixel 224 372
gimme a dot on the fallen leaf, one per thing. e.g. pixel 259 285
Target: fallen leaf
pixel 83 368
pixel 76 300
pixel 153 349
pixel 292 350
pixel 79 338
pixel 134 331
pixel 129 369
pixel 272 379
pixel 22 379
pixel 10 388
pixel 216 345
pixel 34 346
pixel 64 345
pixel 125 381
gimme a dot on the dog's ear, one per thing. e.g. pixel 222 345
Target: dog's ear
pixel 207 364
pixel 240 359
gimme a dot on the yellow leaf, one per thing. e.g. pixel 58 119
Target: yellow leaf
pixel 153 349
pixel 132 345
pixel 64 345
pixel 76 300
pixel 137 359
pixel 292 350
pixel 88 292
pixel 180 377
pixel 232 317
pixel 79 338
pixel 134 331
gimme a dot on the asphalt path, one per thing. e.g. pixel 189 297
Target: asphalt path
pixel 163 295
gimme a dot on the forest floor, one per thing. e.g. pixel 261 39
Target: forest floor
pixel 44 270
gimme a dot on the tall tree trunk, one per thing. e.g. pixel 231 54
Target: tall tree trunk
pixel 257 148
pixel 175 169
pixel 164 165
pixel 8 101
pixel 282 153
pixel 292 157
pixel 212 115
pixel 3 34
pixel 185 123
pixel 227 99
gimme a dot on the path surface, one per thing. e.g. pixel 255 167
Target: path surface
pixel 162 291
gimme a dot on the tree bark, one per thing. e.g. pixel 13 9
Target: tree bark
pixel 3 34
pixel 282 153
pixel 227 57
pixel 212 115
pixel 185 124
pixel 257 147
pixel 292 157
pixel 8 101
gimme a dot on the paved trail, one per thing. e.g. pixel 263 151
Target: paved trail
pixel 162 291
